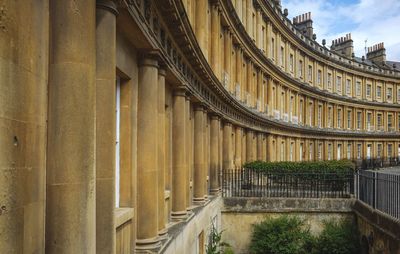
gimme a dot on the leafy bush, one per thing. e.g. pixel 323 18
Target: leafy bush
pixel 215 244
pixel 283 235
pixel 338 237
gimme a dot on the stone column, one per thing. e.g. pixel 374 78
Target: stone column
pixel 24 56
pixel 189 159
pixel 238 147
pixel 214 151
pixel 269 96
pixel 244 142
pixel 227 146
pixel 206 147
pixel 147 155
pixel 215 50
pixel 199 180
pixel 71 137
pixel 105 125
pixel 179 168
pixel 162 231
pixel 227 57
pixel 249 146
pixel 259 146
pixel 238 71
pixel 201 26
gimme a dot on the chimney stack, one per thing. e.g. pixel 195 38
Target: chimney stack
pixel 304 23
pixel 343 46
pixel 377 54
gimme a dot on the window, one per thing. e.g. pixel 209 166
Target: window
pixel 319 116
pixel 329 117
pixel 291 152
pixel 378 92
pixel 329 81
pixel 389 93
pixel 283 151
pixel 310 73
pixel 398 122
pixel 359 120
pixel 348 87
pixel 301 69
pixel 398 95
pixel 338 84
pixel 291 61
pixel 368 91
pixel 339 152
pixel 301 111
pixel 301 152
pixel 379 151
pixel 369 119
pixel 272 48
pixel 358 88
pixel 379 121
pixel 310 152
pixel 358 151
pixel 310 113
pixel 390 122
pixel 389 150
pixel 348 119
pixel 329 152
pixel 319 77
pixel 339 118
pixel 282 56
pixel 320 151
pixel 348 151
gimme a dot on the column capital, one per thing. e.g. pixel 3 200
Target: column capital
pixel 180 91
pixel 108 5
pixel 215 116
pixel 199 106
pixel 162 71
pixel 149 59
pixel 227 123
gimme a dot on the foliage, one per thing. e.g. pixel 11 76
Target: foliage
pixel 215 244
pixel 338 237
pixel 283 235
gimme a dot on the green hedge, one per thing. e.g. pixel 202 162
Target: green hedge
pixel 334 166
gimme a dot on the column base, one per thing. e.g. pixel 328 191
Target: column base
pixel 179 216
pixel 149 245
pixel 163 234
pixel 215 192
pixel 199 201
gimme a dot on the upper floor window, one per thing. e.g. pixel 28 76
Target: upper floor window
pixel 282 56
pixel 301 69
pixel 359 120
pixel 379 121
pixel 319 77
pixel 291 61
pixel 358 151
pixel 398 95
pixel 339 118
pixel 320 151
pixel 389 151
pixel 338 84
pixel 389 93
pixel 348 151
pixel 379 151
pixel 329 117
pixel 348 87
pixel 329 151
pixel 358 88
pixel 368 90
pixel 329 81
pixel 301 111
pixel 390 121
pixel 310 73
pixel 310 113
pixel 319 116
pixel 378 92
pixel 369 120
pixel 348 119
pixel 272 48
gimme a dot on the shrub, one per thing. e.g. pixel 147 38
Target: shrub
pixel 283 235
pixel 338 237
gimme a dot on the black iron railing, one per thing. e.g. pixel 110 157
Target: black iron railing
pixel 251 183
pixel 380 191
pixel 375 163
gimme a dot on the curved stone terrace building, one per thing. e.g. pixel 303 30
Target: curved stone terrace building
pixel 138 104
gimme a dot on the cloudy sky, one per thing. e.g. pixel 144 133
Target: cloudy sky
pixel 372 20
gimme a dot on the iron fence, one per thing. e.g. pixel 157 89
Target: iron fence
pixel 375 163
pixel 251 183
pixel 379 190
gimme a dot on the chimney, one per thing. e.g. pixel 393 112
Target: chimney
pixel 377 54
pixel 304 22
pixel 343 46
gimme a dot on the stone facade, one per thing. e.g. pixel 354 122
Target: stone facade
pixel 186 88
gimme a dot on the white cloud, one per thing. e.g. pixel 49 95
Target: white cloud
pixel 374 20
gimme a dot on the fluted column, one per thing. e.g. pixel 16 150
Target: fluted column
pixel 244 143
pixel 201 26
pixel 24 56
pixel 161 153
pixel 259 146
pixel 105 125
pixel 238 71
pixel 199 175
pixel 179 168
pixel 214 144
pixel 238 147
pixel 269 96
pixel 71 144
pixel 249 146
pixel 227 146
pixel 147 155
pixel 215 47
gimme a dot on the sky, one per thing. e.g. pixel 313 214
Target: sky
pixel 372 20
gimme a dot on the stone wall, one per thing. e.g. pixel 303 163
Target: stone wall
pixel 239 214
